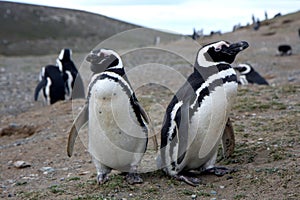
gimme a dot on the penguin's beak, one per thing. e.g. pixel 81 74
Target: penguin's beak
pixel 235 48
pixel 95 56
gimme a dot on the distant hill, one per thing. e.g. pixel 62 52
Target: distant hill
pixel 37 30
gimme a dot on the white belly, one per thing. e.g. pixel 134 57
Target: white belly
pixel 115 137
pixel 207 125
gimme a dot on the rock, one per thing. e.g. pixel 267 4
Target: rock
pixel 47 170
pixel 213 192
pixel 21 164
pixel 13 125
pixel 83 173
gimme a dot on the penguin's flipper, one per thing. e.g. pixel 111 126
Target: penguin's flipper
pixel 182 121
pixel 80 120
pixel 148 121
pixel 228 140
pixel 41 85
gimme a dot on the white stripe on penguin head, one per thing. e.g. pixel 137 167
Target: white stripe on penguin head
pixel 248 68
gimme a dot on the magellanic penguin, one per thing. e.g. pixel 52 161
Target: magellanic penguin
pixel 70 75
pixel 249 76
pixel 196 117
pixel 118 125
pixel 52 83
pixel 284 50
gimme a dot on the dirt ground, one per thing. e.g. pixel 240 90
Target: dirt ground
pixel 265 120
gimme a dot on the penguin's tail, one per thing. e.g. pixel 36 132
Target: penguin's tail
pixel 41 85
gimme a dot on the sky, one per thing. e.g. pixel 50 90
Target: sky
pixel 180 16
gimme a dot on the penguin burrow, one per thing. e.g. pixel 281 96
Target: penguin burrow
pixel 195 120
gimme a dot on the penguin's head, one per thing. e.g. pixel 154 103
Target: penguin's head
pixel 102 59
pixel 65 54
pixel 243 68
pixel 219 52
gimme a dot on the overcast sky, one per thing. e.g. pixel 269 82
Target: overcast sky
pixel 180 16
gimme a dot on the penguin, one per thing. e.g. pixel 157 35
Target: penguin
pixel 284 50
pixel 249 76
pixel 195 119
pixel 117 124
pixel 70 75
pixel 52 83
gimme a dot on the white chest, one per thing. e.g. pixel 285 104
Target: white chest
pixel 243 80
pixel 208 122
pixel 114 131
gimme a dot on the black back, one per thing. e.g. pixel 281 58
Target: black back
pixel 77 83
pixel 57 87
pixel 255 77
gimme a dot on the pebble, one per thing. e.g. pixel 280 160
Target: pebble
pixel 83 173
pixel 31 177
pixel 47 170
pixel 21 164
pixel 13 125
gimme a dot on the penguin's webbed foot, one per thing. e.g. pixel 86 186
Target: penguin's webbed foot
pixel 133 178
pixel 193 181
pixel 218 171
pixel 102 178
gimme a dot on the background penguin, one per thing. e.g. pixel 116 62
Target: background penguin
pixel 118 125
pixel 196 117
pixel 285 50
pixel 249 75
pixel 70 75
pixel 52 83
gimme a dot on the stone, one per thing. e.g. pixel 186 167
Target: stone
pixel 21 164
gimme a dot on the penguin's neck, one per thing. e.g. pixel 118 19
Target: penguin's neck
pixel 206 71
pixel 120 71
